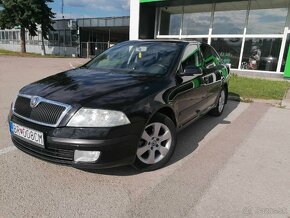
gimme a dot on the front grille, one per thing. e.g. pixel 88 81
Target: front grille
pixel 50 154
pixel 46 112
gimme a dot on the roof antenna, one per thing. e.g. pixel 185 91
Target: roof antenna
pixel 62 6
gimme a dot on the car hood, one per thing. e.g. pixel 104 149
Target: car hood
pixel 81 86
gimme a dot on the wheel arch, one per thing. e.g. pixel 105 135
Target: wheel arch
pixel 167 111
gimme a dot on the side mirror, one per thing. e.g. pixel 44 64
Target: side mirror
pixel 192 70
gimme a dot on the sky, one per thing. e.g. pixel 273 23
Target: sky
pixel 91 8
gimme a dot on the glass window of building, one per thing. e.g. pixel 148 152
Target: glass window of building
pixel 267 17
pixel 102 22
pixel 61 38
pixel 110 22
pixel 67 38
pixel 55 37
pixel 230 18
pixel 87 22
pixel 17 35
pixel 261 54
pixel 74 37
pixel 50 38
pixel 11 35
pixel 229 50
pixel 196 19
pixel 14 35
pixel 170 21
pixel 94 22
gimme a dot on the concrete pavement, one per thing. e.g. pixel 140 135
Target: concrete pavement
pixel 255 182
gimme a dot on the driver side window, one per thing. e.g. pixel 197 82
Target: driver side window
pixel 191 57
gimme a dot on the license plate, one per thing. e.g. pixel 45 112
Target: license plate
pixel 27 134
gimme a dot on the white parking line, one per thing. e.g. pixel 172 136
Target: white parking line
pixel 7 150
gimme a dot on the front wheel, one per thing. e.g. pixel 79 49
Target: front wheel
pixel 157 143
pixel 218 110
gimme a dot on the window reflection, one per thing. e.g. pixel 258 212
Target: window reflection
pixel 267 17
pixel 170 20
pixel 228 49
pixel 229 18
pixel 196 19
pixel 261 54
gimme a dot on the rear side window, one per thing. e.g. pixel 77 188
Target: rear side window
pixel 211 57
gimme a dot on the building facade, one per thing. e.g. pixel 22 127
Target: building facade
pixel 83 37
pixel 62 41
pixel 251 35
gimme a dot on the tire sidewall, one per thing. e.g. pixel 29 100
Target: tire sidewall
pixel 223 90
pixel 215 111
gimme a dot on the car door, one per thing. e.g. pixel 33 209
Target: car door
pixel 213 74
pixel 188 95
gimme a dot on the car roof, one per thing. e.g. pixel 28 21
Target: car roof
pixel 168 41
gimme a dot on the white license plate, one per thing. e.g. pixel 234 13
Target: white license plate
pixel 27 134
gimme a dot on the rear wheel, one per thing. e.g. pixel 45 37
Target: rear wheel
pixel 218 110
pixel 157 143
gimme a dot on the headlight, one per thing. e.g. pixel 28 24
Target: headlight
pixel 87 117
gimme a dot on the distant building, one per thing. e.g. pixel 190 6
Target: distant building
pixel 83 37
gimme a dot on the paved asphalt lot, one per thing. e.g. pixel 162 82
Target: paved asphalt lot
pixel 236 165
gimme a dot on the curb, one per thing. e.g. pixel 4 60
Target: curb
pixel 276 103
pixel 286 101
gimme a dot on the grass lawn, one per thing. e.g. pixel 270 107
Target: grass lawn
pixel 250 88
pixel 19 54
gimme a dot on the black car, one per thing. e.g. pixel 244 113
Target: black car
pixel 123 107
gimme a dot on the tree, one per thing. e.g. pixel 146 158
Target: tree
pixel 27 14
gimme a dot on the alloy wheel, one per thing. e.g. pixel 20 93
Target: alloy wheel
pixel 155 143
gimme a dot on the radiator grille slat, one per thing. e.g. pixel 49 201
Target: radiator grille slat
pixel 46 112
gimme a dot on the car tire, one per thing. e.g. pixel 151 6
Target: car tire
pixel 157 143
pixel 218 110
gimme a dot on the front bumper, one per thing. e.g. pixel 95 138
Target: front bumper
pixel 117 145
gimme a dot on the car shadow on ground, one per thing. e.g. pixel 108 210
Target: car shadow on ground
pixel 189 139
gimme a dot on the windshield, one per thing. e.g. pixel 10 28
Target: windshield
pixel 153 58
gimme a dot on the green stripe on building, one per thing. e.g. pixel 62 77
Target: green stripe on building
pixel 287 66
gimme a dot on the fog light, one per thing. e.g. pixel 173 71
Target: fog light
pixel 86 156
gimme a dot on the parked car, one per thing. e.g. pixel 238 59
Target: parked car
pixel 122 107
